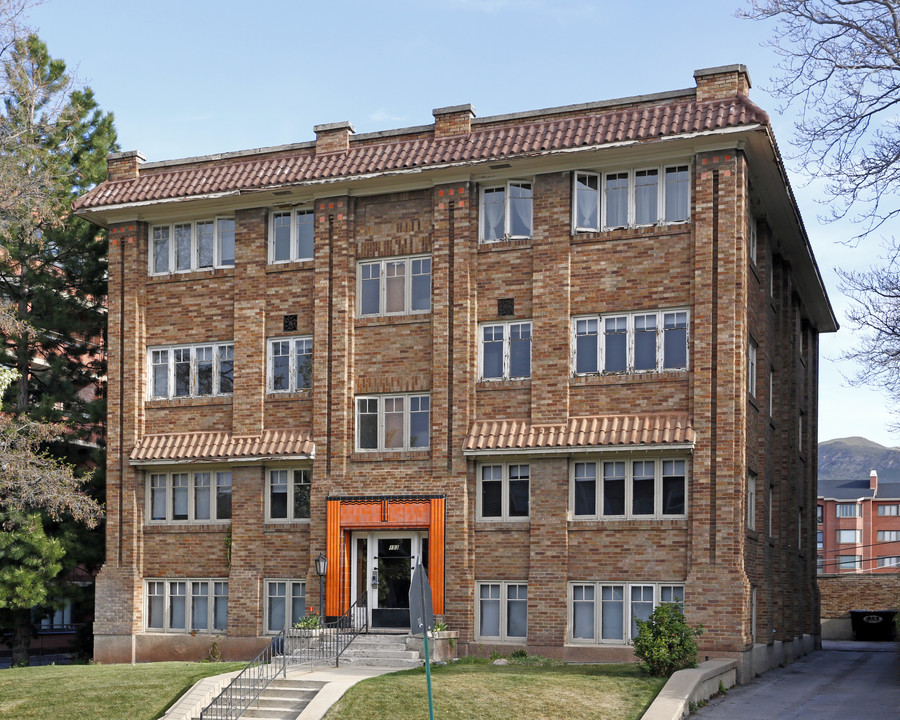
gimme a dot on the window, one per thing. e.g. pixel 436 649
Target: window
pixel 820 513
pixel 849 562
pixel 285 604
pixel 606 613
pixel 502 611
pixel 751 367
pixel 889 536
pixel 187 246
pixel 820 539
pixel 751 501
pixel 628 488
pixel 771 393
pixel 505 351
pixel 849 536
pixel 635 342
pixel 635 197
pixel 847 510
pixel 291 235
pixel 54 618
pixel 189 497
pixel 820 564
pixel 503 492
pixel 287 494
pixel 770 508
pixel 506 211
pixel 191 371
pixel 395 286
pixel 393 422
pixel 187 606
pixel 888 510
pixel 751 239
pixel 290 364
pixel 892 561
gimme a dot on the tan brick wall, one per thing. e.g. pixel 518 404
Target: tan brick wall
pixel 843 593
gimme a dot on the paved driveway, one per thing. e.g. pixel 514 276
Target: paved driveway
pixel 844 681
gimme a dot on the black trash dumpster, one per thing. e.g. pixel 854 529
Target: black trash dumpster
pixel 873 624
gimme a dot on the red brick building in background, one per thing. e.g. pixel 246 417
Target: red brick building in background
pixel 568 358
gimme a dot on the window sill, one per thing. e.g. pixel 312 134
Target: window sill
pixel 488 246
pixel 630 232
pixel 670 523
pixel 501 384
pixel 285 396
pixel 289 265
pixel 752 402
pixel 379 455
pixel 629 378
pixel 217 526
pixel 189 401
pixel 495 525
pixel 285 525
pixel 191 275
pixel 409 319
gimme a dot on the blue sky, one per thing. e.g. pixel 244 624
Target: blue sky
pixel 198 77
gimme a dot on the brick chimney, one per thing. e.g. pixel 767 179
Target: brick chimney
pixel 453 120
pixel 333 137
pixel 873 482
pixel 725 81
pixel 124 165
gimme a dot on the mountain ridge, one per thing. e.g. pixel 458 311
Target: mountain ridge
pixel 853 458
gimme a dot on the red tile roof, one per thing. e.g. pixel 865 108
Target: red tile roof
pixel 683 116
pixel 580 433
pixel 211 446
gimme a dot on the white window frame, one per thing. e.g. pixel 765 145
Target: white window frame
pixel 216 588
pixel 889 536
pixel 889 561
pixel 166 353
pixel 848 536
pixel 849 562
pixel 290 585
pixel 408 399
pixel 296 477
pixel 171 266
pixel 751 500
pixel 409 262
pixel 820 539
pixel 296 343
pixel 888 510
pixel 504 479
pixel 659 589
pixel 600 210
pixel 507 211
pixel 507 326
pixel 505 587
pixel 295 215
pixel 752 354
pixel 661 316
pixel 847 510
pixel 629 460
pixel 752 242
pixel 218 477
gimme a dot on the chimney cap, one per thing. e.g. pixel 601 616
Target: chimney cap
pixel 722 70
pixel 127 154
pixel 467 107
pixel 326 127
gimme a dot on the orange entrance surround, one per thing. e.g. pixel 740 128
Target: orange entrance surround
pixel 374 513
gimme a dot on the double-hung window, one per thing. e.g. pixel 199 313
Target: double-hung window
pixel 607 613
pixel 629 343
pixel 889 561
pixel 505 351
pixel 847 510
pixel 285 604
pixel 291 235
pixel 503 492
pixel 186 606
pixel 631 197
pixel 849 562
pixel 191 245
pixel 888 510
pixel 851 537
pixel 502 611
pixel 191 370
pixel 645 488
pixel 290 364
pixel 189 497
pixel 506 211
pixel 889 536
pixel 393 422
pixel 287 494
pixel 394 286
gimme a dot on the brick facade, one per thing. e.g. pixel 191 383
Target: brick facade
pixel 731 571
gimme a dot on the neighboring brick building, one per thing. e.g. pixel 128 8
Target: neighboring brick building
pixel 858 526
pixel 568 357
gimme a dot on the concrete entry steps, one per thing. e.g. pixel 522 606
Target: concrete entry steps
pixel 381 650
pixel 284 699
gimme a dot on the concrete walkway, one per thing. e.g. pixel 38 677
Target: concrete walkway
pixel 843 681
pixel 338 679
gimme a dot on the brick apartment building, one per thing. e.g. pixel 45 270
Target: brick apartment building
pixel 568 358
pixel 858 526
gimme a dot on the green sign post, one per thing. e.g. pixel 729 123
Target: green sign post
pixel 421 619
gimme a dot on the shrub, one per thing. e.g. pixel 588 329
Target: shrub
pixel 666 643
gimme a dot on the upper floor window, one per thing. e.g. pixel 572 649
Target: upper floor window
pixel 287 494
pixel 291 235
pixel 853 537
pixel 506 211
pixel 290 364
pixel 183 497
pixel 393 422
pixel 191 370
pixel 892 561
pixel 504 351
pixel 394 286
pixel 888 510
pixel 632 197
pixel 752 349
pixel 186 246
pixel 646 488
pixel 819 513
pixel 751 501
pixel 503 492
pixel 634 342
pixel 847 510
pixel 187 606
pixel 751 239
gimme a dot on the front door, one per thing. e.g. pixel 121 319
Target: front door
pixel 390 560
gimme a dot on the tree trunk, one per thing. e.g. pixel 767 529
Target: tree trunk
pixel 21 642
pixel 23 358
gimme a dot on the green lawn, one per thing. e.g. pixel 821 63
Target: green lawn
pixel 482 691
pixel 99 692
